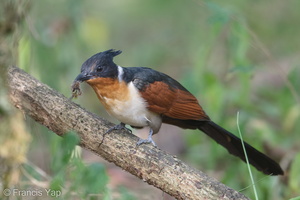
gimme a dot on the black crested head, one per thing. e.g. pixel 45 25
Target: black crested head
pixel 99 65
pixel 112 52
pixel 104 58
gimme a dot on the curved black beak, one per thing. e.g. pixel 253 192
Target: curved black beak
pixel 83 77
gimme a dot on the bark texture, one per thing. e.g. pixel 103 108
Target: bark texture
pixel 147 162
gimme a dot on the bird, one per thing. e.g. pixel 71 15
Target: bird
pixel 143 97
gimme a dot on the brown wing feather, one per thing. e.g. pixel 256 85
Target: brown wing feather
pixel 172 102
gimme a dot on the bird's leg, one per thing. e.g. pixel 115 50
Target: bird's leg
pixel 148 140
pixel 118 127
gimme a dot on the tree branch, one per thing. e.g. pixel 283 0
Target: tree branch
pixel 147 162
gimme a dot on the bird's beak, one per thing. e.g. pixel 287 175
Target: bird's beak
pixel 83 77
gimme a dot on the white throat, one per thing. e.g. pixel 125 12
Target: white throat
pixel 120 73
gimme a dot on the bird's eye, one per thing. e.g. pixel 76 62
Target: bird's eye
pixel 99 69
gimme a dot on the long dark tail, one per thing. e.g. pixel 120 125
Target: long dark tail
pixel 233 144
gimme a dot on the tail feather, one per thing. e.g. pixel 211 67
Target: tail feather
pixel 230 142
pixel 234 146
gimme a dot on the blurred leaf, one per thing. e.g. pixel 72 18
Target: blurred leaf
pixel 239 42
pixel 292 117
pixel 220 15
pixel 58 181
pixel 294 181
pixel 24 53
pixel 88 179
pixel 85 180
pixel 295 198
pixel 32 171
pixel 125 195
pixel 242 68
pixel 62 150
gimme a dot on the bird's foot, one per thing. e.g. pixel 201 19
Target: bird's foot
pixel 118 127
pixel 148 140
pixel 145 141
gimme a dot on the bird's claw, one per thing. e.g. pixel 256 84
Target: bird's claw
pixel 118 127
pixel 146 141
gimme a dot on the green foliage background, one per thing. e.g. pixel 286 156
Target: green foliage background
pixel 232 55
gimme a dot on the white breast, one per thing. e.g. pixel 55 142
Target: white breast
pixel 132 111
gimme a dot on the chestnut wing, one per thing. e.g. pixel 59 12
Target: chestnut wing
pixel 166 96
